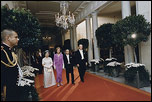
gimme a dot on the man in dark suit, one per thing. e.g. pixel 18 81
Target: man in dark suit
pixel 33 60
pixel 39 58
pixel 9 70
pixel 81 61
pixel 68 62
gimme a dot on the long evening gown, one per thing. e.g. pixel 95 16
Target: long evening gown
pixel 49 78
pixel 58 63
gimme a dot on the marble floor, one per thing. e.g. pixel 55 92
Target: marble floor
pixel 118 79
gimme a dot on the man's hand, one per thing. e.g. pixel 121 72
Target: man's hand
pixel 86 63
pixel 3 94
pixel 2 47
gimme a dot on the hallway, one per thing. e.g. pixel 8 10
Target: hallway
pixel 94 88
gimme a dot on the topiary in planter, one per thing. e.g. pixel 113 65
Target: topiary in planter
pixel 84 42
pixel 105 38
pixel 25 24
pixel 131 31
pixel 131 77
pixel 113 68
pixel 67 44
pixel 108 60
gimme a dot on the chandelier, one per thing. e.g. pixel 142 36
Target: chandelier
pixel 63 20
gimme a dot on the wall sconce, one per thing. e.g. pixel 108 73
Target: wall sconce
pixel 46 38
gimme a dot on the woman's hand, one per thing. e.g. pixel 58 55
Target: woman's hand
pixel 77 65
pixel 54 67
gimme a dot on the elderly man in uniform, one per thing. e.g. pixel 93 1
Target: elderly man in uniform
pixel 9 70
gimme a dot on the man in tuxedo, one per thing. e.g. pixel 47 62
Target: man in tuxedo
pixel 81 61
pixel 39 58
pixel 68 62
pixel 9 70
pixel 33 60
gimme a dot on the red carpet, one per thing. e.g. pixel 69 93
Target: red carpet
pixel 95 88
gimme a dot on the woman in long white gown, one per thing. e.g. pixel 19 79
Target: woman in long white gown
pixel 49 78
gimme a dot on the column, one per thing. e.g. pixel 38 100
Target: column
pixel 88 31
pixel 71 38
pixel 63 36
pixel 128 51
pixel 75 37
pixel 94 27
pixel 144 8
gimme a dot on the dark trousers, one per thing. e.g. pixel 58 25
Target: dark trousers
pixel 12 93
pixel 69 69
pixel 82 70
pixel 40 67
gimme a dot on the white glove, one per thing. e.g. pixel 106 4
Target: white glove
pixel 54 67
pixel 63 66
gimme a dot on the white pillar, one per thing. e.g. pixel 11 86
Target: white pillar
pixel 144 8
pixel 94 27
pixel 88 33
pixel 75 37
pixel 128 51
pixel 126 8
pixel 71 38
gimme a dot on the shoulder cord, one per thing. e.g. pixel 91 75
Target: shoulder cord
pixel 11 62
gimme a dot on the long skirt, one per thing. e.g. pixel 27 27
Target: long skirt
pixel 59 73
pixel 49 78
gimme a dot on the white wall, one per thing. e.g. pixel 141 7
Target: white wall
pixel 81 30
pixel 108 19
pixel 67 35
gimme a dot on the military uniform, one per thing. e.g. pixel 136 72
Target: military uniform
pixel 9 73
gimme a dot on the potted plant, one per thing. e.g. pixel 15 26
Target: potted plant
pixel 104 37
pixel 95 64
pixel 114 68
pixel 131 31
pixel 26 84
pixel 25 24
pixel 136 75
pixel 67 44
pixel 84 42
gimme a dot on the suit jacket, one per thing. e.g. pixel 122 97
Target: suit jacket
pixel 78 57
pixel 66 60
pixel 8 75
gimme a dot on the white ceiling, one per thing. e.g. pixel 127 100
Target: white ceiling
pixel 114 7
pixel 45 10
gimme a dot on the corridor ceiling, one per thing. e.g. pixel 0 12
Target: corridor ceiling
pixel 45 10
